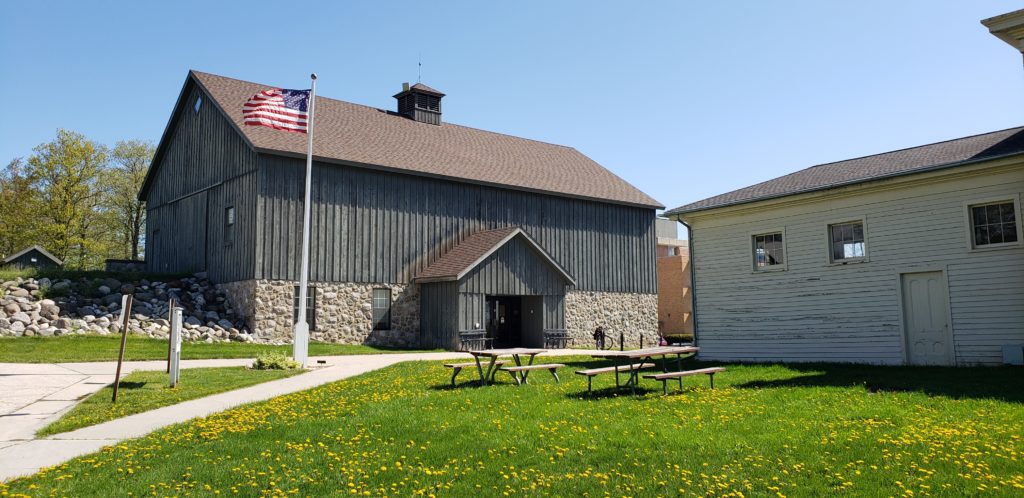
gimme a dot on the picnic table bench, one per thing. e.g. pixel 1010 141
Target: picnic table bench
pixel 524 371
pixel 493 354
pixel 665 376
pixel 591 372
pixel 457 367
pixel 647 355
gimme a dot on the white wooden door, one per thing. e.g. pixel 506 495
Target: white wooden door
pixel 925 318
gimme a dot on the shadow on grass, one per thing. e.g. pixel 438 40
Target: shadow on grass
pixel 130 385
pixel 998 383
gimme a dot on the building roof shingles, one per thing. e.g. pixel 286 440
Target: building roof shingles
pixel 864 169
pixel 360 134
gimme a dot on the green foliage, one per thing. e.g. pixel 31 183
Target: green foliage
pixel 274 361
pixel 124 180
pixel 76 348
pixel 765 431
pixel 77 199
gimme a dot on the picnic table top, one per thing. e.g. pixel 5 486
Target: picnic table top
pixel 507 352
pixel 644 353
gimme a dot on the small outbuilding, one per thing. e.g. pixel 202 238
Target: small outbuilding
pixel 32 257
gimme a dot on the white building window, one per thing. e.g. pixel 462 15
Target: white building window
pixel 768 251
pixel 847 241
pixel 994 223
pixel 199 104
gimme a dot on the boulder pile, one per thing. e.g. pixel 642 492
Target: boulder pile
pixel 31 307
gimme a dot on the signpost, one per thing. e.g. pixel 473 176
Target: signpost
pixel 126 312
pixel 175 343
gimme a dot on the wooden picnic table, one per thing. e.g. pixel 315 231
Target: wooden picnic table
pixel 493 354
pixel 645 355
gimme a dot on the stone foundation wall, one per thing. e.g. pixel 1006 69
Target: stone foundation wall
pixel 635 315
pixel 344 312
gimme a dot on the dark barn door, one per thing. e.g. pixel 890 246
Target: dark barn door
pixel 504 321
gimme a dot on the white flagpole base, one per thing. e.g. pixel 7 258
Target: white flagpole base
pixel 301 351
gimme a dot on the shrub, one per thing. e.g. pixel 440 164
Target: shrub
pixel 274 361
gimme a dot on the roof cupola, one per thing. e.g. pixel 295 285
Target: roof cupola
pixel 421 103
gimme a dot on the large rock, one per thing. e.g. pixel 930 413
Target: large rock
pixel 103 290
pixel 193 321
pixel 19 292
pixel 49 310
pixel 112 299
pixel 111 283
pixel 22 317
pixel 11 308
pixel 18 328
pixel 225 324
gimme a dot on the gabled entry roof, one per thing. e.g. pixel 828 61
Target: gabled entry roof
pixel 42 251
pixel 472 251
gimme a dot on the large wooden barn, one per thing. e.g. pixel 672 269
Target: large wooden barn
pixel 422 230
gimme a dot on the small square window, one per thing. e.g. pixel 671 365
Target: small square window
pixel 993 223
pixel 229 216
pixel 847 241
pixel 198 104
pixel 768 251
pixel 381 309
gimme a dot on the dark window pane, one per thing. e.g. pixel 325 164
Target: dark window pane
pixel 837 251
pixel 978 215
pixel 992 213
pixel 837 234
pixel 1009 232
pixel 980 236
pixel 858 233
pixel 1006 212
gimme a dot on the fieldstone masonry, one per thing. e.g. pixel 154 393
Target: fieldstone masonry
pixel 635 315
pixel 344 312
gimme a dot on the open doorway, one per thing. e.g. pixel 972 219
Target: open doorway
pixel 505 320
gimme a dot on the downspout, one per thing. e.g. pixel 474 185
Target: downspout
pixel 693 279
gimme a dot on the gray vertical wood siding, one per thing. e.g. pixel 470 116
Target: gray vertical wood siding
pixel 515 269
pixel 374 226
pixel 203 167
pixel 439 315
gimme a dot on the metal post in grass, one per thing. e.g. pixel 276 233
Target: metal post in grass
pixel 126 313
pixel 175 342
pixel 170 319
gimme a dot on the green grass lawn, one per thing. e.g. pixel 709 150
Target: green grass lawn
pixel 73 348
pixel 766 430
pixel 144 391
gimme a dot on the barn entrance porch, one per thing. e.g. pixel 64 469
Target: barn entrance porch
pixel 515 321
pixel 497 287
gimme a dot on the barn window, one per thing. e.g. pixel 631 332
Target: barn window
pixel 847 241
pixel 229 224
pixel 198 104
pixel 768 251
pixel 994 224
pixel 310 306
pixel 381 309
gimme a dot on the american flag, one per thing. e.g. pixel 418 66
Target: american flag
pixel 279 109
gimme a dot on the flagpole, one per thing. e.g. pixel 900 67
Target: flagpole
pixel 301 343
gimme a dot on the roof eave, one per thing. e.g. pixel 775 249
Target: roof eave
pixel 403 171
pixel 677 212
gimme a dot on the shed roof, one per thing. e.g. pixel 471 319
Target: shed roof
pixel 361 135
pixel 940 155
pixel 24 251
pixel 461 259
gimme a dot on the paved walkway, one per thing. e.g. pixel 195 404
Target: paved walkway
pixel 36 394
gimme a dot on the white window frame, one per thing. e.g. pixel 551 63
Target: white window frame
pixel 969 222
pixel 828 241
pixel 387 309
pixel 752 249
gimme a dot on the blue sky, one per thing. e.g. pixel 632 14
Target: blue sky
pixel 683 99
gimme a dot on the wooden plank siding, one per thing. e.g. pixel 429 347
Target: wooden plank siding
pixel 439 315
pixel 204 167
pixel 374 227
pixel 818 311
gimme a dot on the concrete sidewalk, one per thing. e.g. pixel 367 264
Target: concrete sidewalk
pixel 30 407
